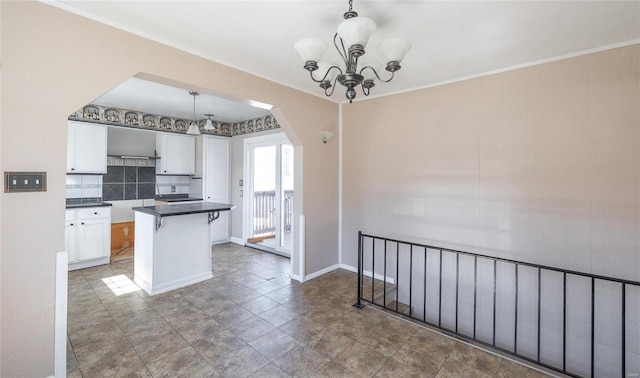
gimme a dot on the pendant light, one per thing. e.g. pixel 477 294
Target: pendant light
pixel 193 127
pixel 209 125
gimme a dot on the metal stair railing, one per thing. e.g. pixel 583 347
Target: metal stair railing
pixel 575 323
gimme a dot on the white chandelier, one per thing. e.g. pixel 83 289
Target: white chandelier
pixel 350 40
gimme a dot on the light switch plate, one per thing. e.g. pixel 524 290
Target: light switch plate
pixel 16 182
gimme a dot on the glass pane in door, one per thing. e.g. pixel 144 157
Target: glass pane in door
pixel 264 195
pixel 286 196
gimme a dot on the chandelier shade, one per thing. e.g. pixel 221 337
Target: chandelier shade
pixel 351 38
pixel 394 49
pixel 356 31
pixel 369 71
pixel 324 72
pixel 311 49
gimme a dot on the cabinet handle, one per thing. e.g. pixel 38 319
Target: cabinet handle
pixel 73 169
pixel 96 213
pixel 82 223
pixel 70 224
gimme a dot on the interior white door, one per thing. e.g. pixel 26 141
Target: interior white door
pixel 217 183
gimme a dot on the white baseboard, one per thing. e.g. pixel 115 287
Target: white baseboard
pixel 349 268
pixel 321 272
pixel 88 264
pixel 367 273
pixel 168 286
pixel 235 240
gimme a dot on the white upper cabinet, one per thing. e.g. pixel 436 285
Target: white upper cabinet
pixel 177 154
pixel 86 148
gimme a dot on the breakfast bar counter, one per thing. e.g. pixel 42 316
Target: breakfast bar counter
pixel 173 245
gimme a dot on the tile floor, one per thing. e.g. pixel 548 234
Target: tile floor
pixel 251 320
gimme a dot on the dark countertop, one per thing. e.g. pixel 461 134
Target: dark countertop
pixel 177 199
pixel 183 209
pixel 81 205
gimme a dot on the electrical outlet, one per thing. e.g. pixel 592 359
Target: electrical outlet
pixel 173 188
pixel 25 182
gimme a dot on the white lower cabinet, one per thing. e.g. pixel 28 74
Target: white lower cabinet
pixel 88 236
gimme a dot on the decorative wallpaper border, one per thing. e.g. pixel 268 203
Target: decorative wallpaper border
pixel 139 120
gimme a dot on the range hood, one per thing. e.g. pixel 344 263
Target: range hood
pixel 132 160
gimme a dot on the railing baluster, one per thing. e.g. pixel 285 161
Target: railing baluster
pixel 440 294
pixel 424 302
pixel 358 303
pixel 410 278
pixel 495 279
pixel 457 280
pixel 564 322
pixel 397 277
pixel 264 202
pixel 384 290
pixel 475 293
pixel 624 330
pixel 373 269
pixel 593 323
pixel 539 310
pixel 515 327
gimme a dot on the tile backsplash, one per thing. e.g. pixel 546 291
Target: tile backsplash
pixel 173 184
pixel 124 183
pixel 129 183
pixel 84 186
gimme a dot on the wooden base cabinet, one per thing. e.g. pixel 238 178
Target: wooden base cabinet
pixel 88 236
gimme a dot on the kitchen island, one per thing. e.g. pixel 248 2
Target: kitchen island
pixel 173 245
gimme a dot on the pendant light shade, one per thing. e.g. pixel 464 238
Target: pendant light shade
pixel 209 125
pixel 193 127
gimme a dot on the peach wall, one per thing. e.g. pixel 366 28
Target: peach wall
pixel 54 62
pixel 540 164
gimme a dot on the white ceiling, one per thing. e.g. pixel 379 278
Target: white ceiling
pixel 155 98
pixel 451 39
